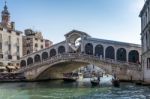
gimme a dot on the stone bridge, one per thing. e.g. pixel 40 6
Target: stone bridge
pixel 79 49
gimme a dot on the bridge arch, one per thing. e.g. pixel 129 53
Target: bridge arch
pixel 89 48
pixel 133 56
pixel 110 52
pixel 37 58
pixel 121 54
pixel 22 63
pixel 99 50
pixel 61 49
pixel 29 61
pixel 52 52
pixel 44 55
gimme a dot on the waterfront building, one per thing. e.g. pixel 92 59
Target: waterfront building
pixel 145 39
pixel 32 41
pixel 10 40
pixel 48 43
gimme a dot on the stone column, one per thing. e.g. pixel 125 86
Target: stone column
pixel 67 46
pixel 127 53
pixel 115 53
pixel 94 48
pixel 82 45
pixel 104 51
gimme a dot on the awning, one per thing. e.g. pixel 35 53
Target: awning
pixel 2 67
pixel 11 67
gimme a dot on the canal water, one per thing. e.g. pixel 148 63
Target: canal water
pixel 78 90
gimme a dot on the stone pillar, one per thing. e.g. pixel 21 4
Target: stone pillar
pixel 115 53
pixel 104 51
pixel 67 47
pixel 82 45
pixel 127 55
pixel 94 48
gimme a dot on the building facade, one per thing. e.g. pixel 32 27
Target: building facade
pixel 48 43
pixel 145 39
pixel 10 39
pixel 33 41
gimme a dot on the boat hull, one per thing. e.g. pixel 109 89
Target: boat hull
pixel 116 83
pixel 69 79
pixel 94 82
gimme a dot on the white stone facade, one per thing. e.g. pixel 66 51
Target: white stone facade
pixel 10 39
pixel 145 39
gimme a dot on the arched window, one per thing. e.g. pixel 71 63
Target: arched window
pixel 22 63
pixel 61 49
pixel 37 58
pixel 121 54
pixel 134 56
pixel 110 52
pixel 89 49
pixel 44 55
pixel 99 51
pixel 52 52
pixel 29 61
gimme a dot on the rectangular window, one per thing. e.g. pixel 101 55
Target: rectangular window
pixel 148 63
pixel 41 46
pixel 9 47
pixel 17 48
pixel 1 56
pixel 9 57
pixel 18 57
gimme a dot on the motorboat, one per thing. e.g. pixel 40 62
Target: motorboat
pixel 70 77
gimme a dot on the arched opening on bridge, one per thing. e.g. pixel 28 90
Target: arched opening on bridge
pixel 99 51
pixel 134 56
pixel 61 49
pixel 29 61
pixel 89 49
pixel 121 54
pixel 44 55
pixel 52 52
pixel 22 63
pixel 37 58
pixel 110 53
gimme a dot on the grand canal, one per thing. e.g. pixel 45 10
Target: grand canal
pixel 78 90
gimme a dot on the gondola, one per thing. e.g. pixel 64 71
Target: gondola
pixel 116 82
pixel 95 81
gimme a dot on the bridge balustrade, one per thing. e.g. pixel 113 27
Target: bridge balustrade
pixel 71 56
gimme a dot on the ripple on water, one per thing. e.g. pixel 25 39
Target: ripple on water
pixel 59 90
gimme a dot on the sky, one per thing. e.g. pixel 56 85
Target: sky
pixel 105 19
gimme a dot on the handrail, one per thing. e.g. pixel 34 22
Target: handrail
pixel 67 56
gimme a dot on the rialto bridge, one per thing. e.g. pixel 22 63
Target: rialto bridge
pixel 80 49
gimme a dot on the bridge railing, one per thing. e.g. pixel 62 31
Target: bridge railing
pixel 71 56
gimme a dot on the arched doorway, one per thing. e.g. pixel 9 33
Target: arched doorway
pixel 133 56
pixel 37 58
pixel 121 54
pixel 29 61
pixel 44 55
pixel 89 49
pixel 22 63
pixel 61 49
pixel 110 52
pixel 99 51
pixel 52 52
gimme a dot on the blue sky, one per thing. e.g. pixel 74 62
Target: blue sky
pixel 106 19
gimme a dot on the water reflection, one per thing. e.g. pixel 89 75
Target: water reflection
pixel 77 90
